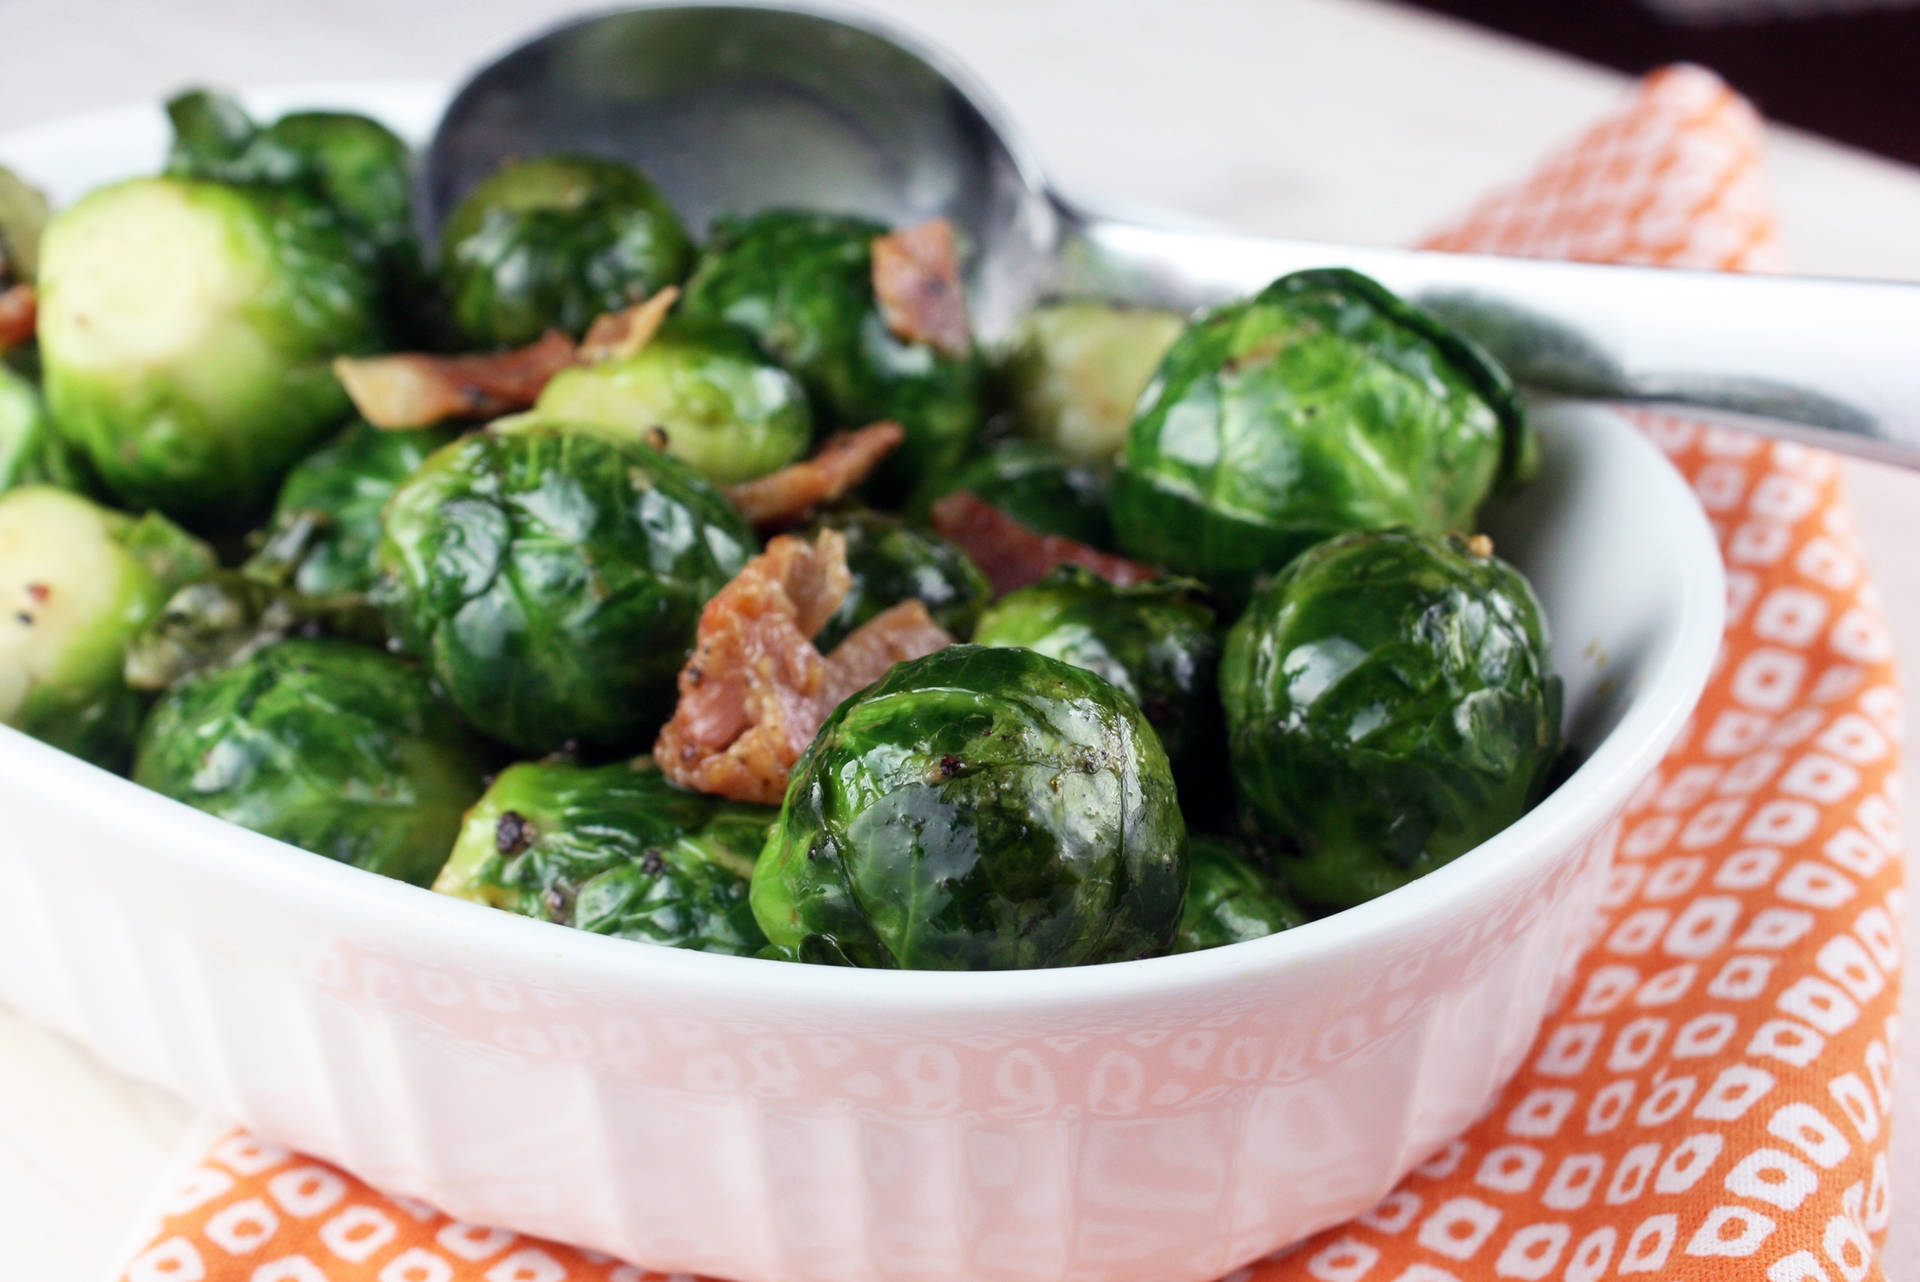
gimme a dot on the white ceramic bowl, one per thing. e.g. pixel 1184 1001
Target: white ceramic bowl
pixel 1161 1119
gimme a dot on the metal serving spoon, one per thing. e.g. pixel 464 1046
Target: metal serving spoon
pixel 742 106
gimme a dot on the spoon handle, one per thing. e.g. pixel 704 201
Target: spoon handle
pixel 1834 363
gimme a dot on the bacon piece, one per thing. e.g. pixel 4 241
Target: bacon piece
pixel 1015 556
pixel 916 278
pixel 413 389
pixel 751 695
pixel 783 497
pixel 620 334
pixel 756 689
pixel 896 634
pixel 19 311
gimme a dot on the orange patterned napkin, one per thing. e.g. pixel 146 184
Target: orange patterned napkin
pixel 1713 1098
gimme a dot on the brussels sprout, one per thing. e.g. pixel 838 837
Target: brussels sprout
pixel 352 162
pixel 186 330
pixel 552 243
pixel 1154 640
pixel 978 809
pixel 802 285
pixel 1390 704
pixel 77 581
pixel 552 574
pixel 1072 372
pixel 232 614
pixel 23 216
pixel 1036 486
pixel 616 850
pixel 326 523
pixel 1231 896
pixel 333 747
pixel 701 394
pixel 891 562
pixel 1324 404
pixel 30 452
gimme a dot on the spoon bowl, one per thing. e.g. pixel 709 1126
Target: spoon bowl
pixel 745 107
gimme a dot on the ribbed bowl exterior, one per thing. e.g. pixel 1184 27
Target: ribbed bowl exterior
pixel 1172 1136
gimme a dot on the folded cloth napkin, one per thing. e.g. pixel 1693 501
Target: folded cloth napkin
pixel 1712 1097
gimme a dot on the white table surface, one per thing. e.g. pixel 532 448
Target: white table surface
pixel 1343 119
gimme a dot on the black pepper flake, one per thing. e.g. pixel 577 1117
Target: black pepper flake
pixel 24 617
pixel 512 834
pixel 652 864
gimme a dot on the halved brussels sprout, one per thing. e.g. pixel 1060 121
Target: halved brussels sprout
pixel 978 809
pixel 326 522
pixel 802 285
pixel 1232 896
pixel 77 582
pixel 1324 404
pixel 699 393
pixel 354 163
pixel 30 452
pixel 891 562
pixel 551 576
pixel 1154 640
pixel 336 748
pixel 1391 703
pixel 552 243
pixel 1038 487
pixel 616 850
pixel 1072 373
pixel 186 332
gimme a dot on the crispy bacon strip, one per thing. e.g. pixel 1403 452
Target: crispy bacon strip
pixel 916 278
pixel 1015 556
pixel 783 497
pixel 620 334
pixel 750 696
pixel 413 389
pixel 19 311
pixel 756 689
pixel 896 634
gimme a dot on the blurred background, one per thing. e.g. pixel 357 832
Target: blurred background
pixel 1844 68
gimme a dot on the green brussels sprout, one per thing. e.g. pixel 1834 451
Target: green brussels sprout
pixel 1323 404
pixel 1072 373
pixel 616 850
pixel 354 163
pixel 802 285
pixel 326 522
pixel 1036 486
pixel 77 581
pixel 30 452
pixel 336 748
pixel 187 330
pixel 551 575
pixel 23 217
pixel 891 562
pixel 1390 704
pixel 977 809
pixel 711 398
pixel 1153 640
pixel 1231 896
pixel 554 242
pixel 232 614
